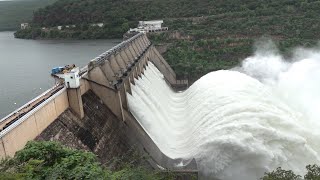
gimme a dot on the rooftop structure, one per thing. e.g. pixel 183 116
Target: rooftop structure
pixel 156 24
pixel 24 25
pixel 66 26
pixel 69 73
pixel 97 24
pixel 149 26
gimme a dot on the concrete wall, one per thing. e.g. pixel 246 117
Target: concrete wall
pixel 75 101
pixel 163 66
pixel 84 86
pixel 100 131
pixel 15 137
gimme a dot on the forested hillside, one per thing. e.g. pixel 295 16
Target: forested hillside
pixel 13 13
pixel 203 35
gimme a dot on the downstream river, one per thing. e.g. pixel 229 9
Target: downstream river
pixel 26 65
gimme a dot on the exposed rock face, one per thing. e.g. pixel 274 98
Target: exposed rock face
pixel 99 131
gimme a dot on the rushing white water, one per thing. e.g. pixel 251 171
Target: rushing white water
pixel 237 126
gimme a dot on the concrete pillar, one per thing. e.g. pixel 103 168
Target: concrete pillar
pixel 75 102
pixel 142 43
pixel 124 56
pixel 141 66
pixel 121 99
pixel 106 68
pixel 147 55
pixel 135 49
pixel 127 85
pixel 124 100
pixel 143 62
pixel 145 58
pixel 136 72
pixel 151 54
pixel 129 54
pixel 122 64
pixel 137 45
pixel 114 65
pixel 140 46
pixel 146 40
pixel 97 75
pixel 138 68
pixel 109 97
pixel 131 78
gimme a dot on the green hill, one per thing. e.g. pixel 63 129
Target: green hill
pixel 13 13
pixel 204 35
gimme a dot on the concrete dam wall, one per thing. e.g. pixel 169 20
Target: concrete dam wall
pixel 95 116
pixel 98 131
pixel 20 127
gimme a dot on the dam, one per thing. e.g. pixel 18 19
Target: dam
pixel 230 124
pixel 94 115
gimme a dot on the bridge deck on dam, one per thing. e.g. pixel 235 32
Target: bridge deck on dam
pixel 99 131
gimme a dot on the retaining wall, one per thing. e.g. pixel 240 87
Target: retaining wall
pixel 28 127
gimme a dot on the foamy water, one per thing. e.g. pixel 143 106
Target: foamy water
pixel 236 126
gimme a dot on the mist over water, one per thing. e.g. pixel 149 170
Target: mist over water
pixel 296 81
pixel 238 123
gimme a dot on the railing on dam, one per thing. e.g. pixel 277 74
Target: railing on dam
pixel 27 108
pixel 106 55
pixel 30 120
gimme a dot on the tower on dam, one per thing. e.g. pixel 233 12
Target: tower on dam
pixel 89 109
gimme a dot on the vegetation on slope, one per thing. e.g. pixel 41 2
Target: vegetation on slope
pixel 313 173
pixel 13 13
pixel 51 160
pixel 204 35
pixel 203 44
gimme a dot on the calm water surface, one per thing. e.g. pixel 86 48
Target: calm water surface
pixel 26 65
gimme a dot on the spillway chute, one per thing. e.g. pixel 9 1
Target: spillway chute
pixel 232 124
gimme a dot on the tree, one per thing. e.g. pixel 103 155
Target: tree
pixel 51 160
pixel 280 174
pixel 313 172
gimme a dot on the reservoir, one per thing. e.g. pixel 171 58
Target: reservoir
pixel 26 65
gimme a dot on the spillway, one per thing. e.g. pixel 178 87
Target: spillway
pixel 233 125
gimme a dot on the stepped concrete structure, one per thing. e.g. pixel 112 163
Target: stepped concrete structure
pixel 95 116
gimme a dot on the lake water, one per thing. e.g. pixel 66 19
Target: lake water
pixel 26 65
